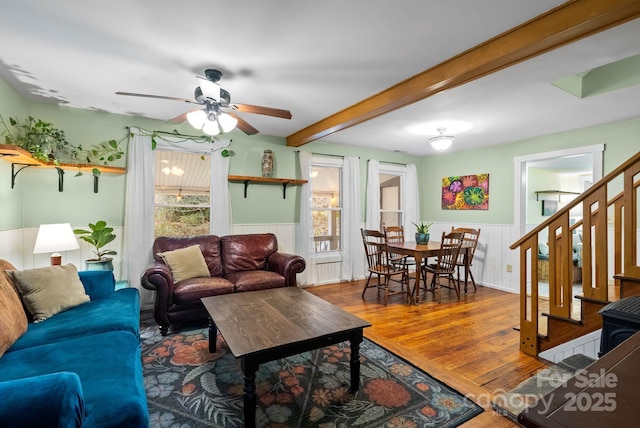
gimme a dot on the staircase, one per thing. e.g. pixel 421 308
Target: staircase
pixel 610 261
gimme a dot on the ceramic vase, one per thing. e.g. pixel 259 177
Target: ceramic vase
pixel 106 264
pixel 422 238
pixel 267 163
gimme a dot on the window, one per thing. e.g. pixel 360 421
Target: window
pixel 326 204
pixel 182 204
pixel 391 196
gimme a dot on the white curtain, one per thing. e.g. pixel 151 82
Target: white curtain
pixel 372 214
pixel 412 199
pixel 139 200
pixel 352 248
pixel 304 239
pixel 138 217
pixel 220 200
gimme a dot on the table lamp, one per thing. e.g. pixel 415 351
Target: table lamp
pixel 53 238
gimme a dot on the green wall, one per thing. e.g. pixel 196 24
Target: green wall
pixel 621 140
pixel 36 199
pixel 11 105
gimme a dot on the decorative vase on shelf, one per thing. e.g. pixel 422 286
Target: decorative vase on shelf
pixel 422 238
pixel 267 163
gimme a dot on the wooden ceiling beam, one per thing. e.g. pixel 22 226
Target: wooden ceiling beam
pixel 565 24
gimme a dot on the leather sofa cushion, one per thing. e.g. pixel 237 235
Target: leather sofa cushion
pixel 209 245
pixel 192 290
pixel 247 252
pixel 256 280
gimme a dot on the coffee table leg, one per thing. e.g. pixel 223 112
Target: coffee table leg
pixel 213 335
pixel 249 369
pixel 356 339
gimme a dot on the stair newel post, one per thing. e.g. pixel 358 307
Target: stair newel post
pixel 529 298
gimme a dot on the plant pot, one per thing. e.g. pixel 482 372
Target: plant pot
pixel 422 238
pixel 105 264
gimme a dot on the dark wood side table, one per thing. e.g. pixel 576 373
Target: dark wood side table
pixel 604 395
pixel 261 326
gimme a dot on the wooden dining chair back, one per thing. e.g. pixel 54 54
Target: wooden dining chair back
pixel 445 265
pixel 470 240
pixel 395 234
pixel 382 264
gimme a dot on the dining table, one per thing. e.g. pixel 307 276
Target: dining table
pixel 422 252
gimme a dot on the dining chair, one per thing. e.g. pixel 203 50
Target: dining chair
pixel 382 264
pixel 444 267
pixel 395 234
pixel 470 240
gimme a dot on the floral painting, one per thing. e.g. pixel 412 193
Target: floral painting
pixel 465 192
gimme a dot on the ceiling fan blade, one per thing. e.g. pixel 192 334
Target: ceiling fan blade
pixel 267 111
pixel 159 97
pixel 243 125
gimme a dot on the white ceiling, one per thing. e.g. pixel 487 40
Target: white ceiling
pixel 312 58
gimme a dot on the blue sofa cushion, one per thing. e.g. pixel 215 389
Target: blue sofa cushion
pixel 109 368
pixel 62 403
pixel 119 311
pixel 98 284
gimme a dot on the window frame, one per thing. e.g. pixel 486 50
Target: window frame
pixel 329 162
pixel 399 171
pixel 159 150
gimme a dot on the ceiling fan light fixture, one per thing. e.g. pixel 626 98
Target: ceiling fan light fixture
pixel 211 128
pixel 197 118
pixel 441 142
pixel 227 122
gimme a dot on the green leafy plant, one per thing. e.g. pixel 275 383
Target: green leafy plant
pixel 99 235
pixel 44 141
pixel 422 227
pixel 47 143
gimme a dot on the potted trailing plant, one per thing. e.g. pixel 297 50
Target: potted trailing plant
pixel 42 139
pixel 422 232
pixel 47 143
pixel 98 235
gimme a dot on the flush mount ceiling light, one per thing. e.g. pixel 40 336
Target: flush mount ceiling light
pixel 441 142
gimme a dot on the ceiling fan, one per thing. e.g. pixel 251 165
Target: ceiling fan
pixel 218 114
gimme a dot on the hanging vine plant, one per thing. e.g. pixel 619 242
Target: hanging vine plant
pixel 225 153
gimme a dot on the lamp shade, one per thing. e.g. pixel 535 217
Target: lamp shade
pixel 441 143
pixel 197 118
pixel 227 122
pixel 211 127
pixel 55 237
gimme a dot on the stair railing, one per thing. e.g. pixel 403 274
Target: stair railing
pixel 606 224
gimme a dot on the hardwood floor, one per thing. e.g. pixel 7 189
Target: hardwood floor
pixel 469 344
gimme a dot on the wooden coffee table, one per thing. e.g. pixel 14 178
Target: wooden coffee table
pixel 261 326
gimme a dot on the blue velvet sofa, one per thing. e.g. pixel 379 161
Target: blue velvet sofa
pixel 80 367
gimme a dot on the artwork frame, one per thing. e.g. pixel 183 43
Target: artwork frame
pixel 549 207
pixel 465 192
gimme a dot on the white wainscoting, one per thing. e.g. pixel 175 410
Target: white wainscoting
pixel 492 256
pixel 588 345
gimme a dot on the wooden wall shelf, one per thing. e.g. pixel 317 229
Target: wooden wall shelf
pixel 18 156
pixel 553 192
pixel 266 180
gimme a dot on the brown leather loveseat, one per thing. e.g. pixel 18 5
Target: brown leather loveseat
pixel 236 263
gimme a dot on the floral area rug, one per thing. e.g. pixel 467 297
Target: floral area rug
pixel 189 387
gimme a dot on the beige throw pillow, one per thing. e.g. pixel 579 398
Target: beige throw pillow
pixel 186 263
pixel 13 320
pixel 49 290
